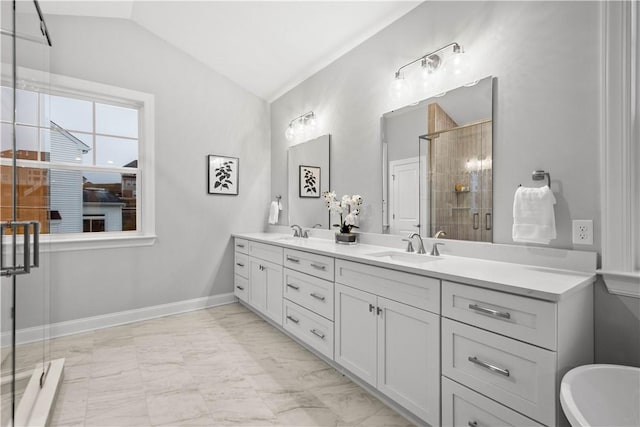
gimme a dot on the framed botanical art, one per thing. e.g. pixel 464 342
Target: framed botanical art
pixel 223 175
pixel 309 181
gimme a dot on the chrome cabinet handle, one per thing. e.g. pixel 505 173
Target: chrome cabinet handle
pixel 319 266
pixel 316 333
pixel 371 308
pixel 296 260
pixel 293 319
pixel 239 264
pixel 316 296
pixel 472 424
pixel 488 366
pixel 240 246
pixel 240 287
pixel 289 285
pixel 378 311
pixel 485 310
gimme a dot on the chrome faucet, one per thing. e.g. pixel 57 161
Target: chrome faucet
pixel 317 226
pixel 434 250
pixel 421 247
pixel 440 233
pixel 297 230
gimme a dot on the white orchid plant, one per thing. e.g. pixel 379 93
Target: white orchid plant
pixel 348 208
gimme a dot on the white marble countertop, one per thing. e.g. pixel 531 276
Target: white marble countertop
pixel 549 284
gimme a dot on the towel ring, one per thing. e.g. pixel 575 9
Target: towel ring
pixel 539 175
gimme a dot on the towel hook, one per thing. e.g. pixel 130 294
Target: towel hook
pixel 278 198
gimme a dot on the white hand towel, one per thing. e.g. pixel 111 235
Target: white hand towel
pixel 534 220
pixel 274 211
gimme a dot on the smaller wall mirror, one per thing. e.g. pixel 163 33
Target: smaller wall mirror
pixel 308 178
pixel 437 160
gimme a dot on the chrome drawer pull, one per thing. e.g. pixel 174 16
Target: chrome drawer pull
pixel 319 267
pixel 293 319
pixel 320 297
pixel 289 285
pixel 240 246
pixel 239 264
pixel 240 287
pixel 296 260
pixel 490 367
pixel 473 424
pixel 486 310
pixel 316 333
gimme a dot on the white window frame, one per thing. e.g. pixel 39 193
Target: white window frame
pixel 144 235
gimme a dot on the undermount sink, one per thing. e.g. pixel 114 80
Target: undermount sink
pixel 405 257
pixel 601 395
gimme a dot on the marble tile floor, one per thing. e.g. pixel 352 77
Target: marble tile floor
pixel 215 367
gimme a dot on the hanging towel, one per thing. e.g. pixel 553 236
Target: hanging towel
pixel 274 211
pixel 533 217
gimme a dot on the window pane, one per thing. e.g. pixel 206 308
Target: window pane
pixel 64 146
pixel 27 102
pixel 27 143
pixel 118 121
pixel 92 201
pixel 116 152
pixel 72 114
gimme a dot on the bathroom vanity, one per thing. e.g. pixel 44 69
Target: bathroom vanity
pixel 445 340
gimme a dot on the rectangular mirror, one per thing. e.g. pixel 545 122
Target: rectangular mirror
pixel 437 165
pixel 308 178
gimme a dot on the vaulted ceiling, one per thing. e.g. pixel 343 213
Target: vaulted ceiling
pixel 267 47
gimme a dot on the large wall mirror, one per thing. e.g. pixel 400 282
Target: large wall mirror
pixel 437 165
pixel 308 178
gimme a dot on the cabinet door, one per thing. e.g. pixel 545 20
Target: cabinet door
pixel 355 332
pixel 273 277
pixel 409 358
pixel 257 284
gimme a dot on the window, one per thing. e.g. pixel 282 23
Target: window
pixel 79 150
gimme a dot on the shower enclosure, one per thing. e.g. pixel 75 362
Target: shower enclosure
pixel 28 372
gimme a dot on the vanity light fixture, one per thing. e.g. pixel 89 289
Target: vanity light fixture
pixel 300 126
pixel 451 54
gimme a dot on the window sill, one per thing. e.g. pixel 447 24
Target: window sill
pixel 104 241
pixel 621 283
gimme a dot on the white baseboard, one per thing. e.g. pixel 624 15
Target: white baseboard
pixel 86 324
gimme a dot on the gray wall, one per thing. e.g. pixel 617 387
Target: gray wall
pixel 546 58
pixel 198 112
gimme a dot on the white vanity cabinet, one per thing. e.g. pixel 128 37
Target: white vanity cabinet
pixel 510 349
pixel 262 288
pixel 241 270
pixel 392 345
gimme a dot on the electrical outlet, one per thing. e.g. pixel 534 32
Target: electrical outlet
pixel 582 232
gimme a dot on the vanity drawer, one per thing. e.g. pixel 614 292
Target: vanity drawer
pixel 266 252
pixel 241 245
pixel 312 329
pixel 417 291
pixel 519 317
pixel 462 407
pixel 310 292
pixel 241 288
pixel 242 264
pixel 519 375
pixel 316 265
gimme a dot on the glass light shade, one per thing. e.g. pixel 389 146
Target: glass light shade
pixel 400 87
pixel 298 128
pixel 289 134
pixel 311 123
pixel 457 64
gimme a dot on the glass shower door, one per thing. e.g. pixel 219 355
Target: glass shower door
pixel 24 209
